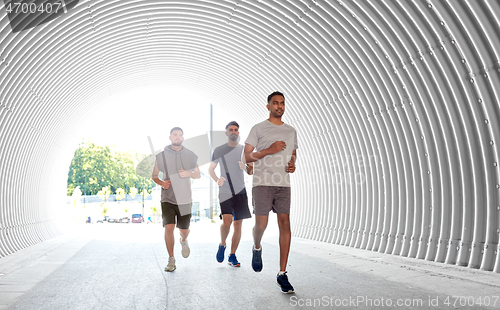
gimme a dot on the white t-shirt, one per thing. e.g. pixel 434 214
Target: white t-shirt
pixel 271 169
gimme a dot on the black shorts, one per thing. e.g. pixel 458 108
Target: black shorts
pixel 170 211
pixel 237 206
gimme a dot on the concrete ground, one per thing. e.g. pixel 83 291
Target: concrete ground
pixel 121 266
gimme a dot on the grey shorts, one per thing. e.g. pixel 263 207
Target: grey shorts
pixel 267 198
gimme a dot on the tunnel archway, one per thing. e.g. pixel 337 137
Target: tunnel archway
pixel 395 103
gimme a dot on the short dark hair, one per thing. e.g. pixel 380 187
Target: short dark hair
pixel 274 94
pixel 233 123
pixel 176 128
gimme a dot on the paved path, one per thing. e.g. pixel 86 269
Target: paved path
pixel 120 266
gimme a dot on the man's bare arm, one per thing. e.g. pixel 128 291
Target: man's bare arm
pixel 294 156
pixel 196 173
pixel 188 174
pixel 211 171
pixel 156 171
pixel 291 164
pixel 251 156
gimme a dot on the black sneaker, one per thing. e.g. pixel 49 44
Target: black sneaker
pixel 257 259
pixel 286 287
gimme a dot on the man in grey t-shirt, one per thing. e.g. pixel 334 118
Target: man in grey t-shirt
pixel 232 193
pixel 179 166
pixel 275 143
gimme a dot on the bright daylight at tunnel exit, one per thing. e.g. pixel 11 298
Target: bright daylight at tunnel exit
pixel 253 154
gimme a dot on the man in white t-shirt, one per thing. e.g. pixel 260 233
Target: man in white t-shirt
pixel 275 145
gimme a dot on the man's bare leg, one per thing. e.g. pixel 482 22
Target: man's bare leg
pixel 184 234
pixel 258 232
pixel 169 239
pixel 259 228
pixel 225 227
pixel 236 236
pixel 285 239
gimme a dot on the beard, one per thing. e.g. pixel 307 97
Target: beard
pixel 234 137
pixel 177 143
pixel 278 113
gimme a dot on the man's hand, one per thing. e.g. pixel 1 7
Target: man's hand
pixel 276 147
pixel 242 165
pixel 291 167
pixel 221 181
pixel 184 174
pixel 250 168
pixel 166 184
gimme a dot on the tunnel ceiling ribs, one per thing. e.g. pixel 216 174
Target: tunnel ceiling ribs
pixel 396 104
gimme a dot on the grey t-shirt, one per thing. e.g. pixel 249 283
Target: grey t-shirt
pixel 271 169
pixel 231 155
pixel 179 192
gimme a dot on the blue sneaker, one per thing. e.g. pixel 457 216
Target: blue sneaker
pixel 283 283
pixel 257 259
pixel 233 261
pixel 220 253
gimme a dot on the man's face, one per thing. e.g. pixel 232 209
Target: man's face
pixel 276 106
pixel 232 132
pixel 176 137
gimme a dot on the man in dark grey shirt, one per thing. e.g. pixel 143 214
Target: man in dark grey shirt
pixel 232 193
pixel 178 166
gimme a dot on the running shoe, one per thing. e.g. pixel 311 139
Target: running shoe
pixel 220 253
pixel 185 248
pixel 171 264
pixel 283 283
pixel 233 261
pixel 257 259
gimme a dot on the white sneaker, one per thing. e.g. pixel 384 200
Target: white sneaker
pixel 171 264
pixel 185 248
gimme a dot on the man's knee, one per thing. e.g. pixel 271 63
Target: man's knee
pixel 227 219
pixel 261 224
pixel 284 221
pixel 237 224
pixel 170 228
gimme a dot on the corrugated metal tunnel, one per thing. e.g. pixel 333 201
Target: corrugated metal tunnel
pixel 396 104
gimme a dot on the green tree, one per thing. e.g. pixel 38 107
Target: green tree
pixel 133 192
pixel 102 166
pixel 154 209
pixel 104 193
pixel 145 167
pixel 120 194
pixel 77 195
pixel 145 193
pixel 91 161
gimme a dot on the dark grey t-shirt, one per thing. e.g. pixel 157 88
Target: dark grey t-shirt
pixel 231 155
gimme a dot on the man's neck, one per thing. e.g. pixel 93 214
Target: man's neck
pixel 176 148
pixel 275 120
pixel 232 143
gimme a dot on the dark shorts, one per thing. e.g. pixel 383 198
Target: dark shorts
pixel 169 212
pixel 267 198
pixel 237 206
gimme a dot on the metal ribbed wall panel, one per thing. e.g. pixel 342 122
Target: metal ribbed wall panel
pixel 396 104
